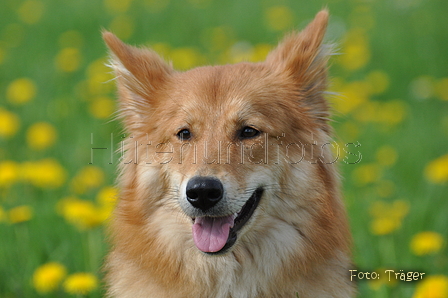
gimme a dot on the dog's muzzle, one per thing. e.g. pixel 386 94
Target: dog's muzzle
pixel 216 234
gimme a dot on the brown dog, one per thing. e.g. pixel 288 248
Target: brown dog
pixel 227 186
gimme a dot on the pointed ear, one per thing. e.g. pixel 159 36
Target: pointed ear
pixel 299 51
pixel 303 58
pixel 140 73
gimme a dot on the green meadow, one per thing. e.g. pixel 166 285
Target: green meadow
pixel 57 101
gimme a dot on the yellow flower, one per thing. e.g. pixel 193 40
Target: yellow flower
pixel 379 81
pixel 80 283
pixel 185 58
pixel 436 171
pixel 384 225
pixel 259 53
pixel 41 135
pixel 87 178
pixel 21 91
pixel 20 214
pixel 279 18
pixel 45 173
pixel 122 26
pixel 435 286
pixel 349 130
pixel 31 11
pixel 81 213
pixel 102 107
pixel 392 112
pixel 356 53
pixel 352 95
pixel 9 123
pixel 107 198
pixel 68 60
pixel 216 39
pixel 48 277
pixel 9 172
pixel 442 88
pixel 367 173
pixel 117 6
pixel 382 280
pixel 387 217
pixel 99 77
pixel 386 155
pixel 426 243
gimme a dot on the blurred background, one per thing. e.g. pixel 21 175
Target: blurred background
pixel 57 101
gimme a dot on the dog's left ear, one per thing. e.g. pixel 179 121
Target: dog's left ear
pixel 303 58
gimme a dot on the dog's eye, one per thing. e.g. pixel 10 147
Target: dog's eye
pixel 249 132
pixel 184 134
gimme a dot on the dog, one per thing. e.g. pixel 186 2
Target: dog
pixel 227 184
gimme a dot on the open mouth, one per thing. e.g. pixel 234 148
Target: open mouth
pixel 215 235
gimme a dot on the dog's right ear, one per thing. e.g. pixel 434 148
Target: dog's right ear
pixel 140 73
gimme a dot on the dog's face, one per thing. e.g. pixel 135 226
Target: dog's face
pixel 220 145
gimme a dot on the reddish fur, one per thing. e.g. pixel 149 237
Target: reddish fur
pixel 153 253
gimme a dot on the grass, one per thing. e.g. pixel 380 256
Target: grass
pixel 391 74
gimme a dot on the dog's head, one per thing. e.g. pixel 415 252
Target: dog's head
pixel 227 146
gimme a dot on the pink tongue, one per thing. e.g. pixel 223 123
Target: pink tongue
pixel 210 233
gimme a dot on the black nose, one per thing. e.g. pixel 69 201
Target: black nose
pixel 204 192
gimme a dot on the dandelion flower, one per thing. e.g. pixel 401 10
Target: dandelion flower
pixel 392 112
pixel 45 173
pixel 367 173
pixel 437 170
pixel 9 123
pixel 107 198
pixel 21 91
pixel 353 95
pixel 279 18
pixel 384 225
pixel 382 280
pixel 48 277
pixel 386 155
pixel 68 59
pixel 426 243
pixel 31 11
pixel 356 50
pixel 9 172
pixel 260 52
pixel 80 283
pixel 117 6
pixel 122 26
pixel 20 214
pixel 387 217
pixel 41 135
pixel 442 88
pixel 185 58
pixel 81 213
pixel 435 286
pixel 379 80
pixel 102 107
pixel 87 178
